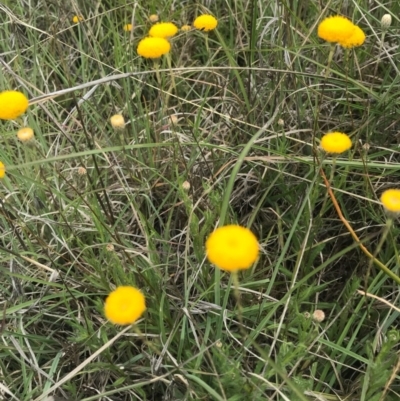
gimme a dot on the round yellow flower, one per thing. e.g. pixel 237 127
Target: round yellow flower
pixel 335 29
pixel 163 30
pixel 391 200
pixel 356 39
pixel 205 22
pixel 153 47
pixel 335 142
pixel 12 104
pixel 25 134
pixel 2 170
pixel 124 305
pixel 117 121
pixel 232 248
pixel 77 18
pixel 128 27
pixel 186 28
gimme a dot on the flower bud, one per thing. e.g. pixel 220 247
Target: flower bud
pixel 25 134
pixel 186 186
pixel 153 18
pixel 386 21
pixel 117 121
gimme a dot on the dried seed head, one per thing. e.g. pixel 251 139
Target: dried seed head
pixel 153 18
pixel 186 186
pixel 82 171
pixel 281 123
pixel 318 316
pixel 117 121
pixel 386 21
pixel 110 247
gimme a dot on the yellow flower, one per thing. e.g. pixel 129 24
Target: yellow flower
pixel 117 121
pixel 205 22
pixel 128 27
pixel 391 200
pixel 12 104
pixel 335 142
pixel 25 134
pixel 163 30
pixel 232 248
pixel 2 170
pixel 153 18
pixel 77 18
pixel 124 305
pixel 186 28
pixel 335 29
pixel 153 47
pixel 356 39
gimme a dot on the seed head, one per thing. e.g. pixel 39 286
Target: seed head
pixel 153 18
pixel 318 316
pixel 186 186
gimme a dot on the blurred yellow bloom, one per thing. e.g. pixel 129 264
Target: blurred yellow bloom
pixel 335 29
pixel 186 28
pixel 25 134
pixel 128 27
pixel 2 170
pixel 153 47
pixel 12 104
pixel 163 30
pixel 335 142
pixel 232 248
pixel 124 305
pixel 77 18
pixel 117 121
pixel 356 39
pixel 205 22
pixel 391 200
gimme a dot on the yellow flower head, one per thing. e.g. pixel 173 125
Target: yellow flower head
pixel 153 47
pixel 335 142
pixel 356 39
pixel 2 170
pixel 77 18
pixel 335 29
pixel 12 104
pixel 124 305
pixel 117 121
pixel 163 30
pixel 25 134
pixel 186 28
pixel 205 22
pixel 128 27
pixel 391 200
pixel 232 248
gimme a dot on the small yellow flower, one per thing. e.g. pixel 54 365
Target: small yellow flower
pixel 391 200
pixel 117 121
pixel 335 142
pixel 232 248
pixel 153 47
pixel 128 27
pixel 163 30
pixel 25 134
pixel 186 28
pixel 124 305
pixel 335 29
pixel 2 170
pixel 153 18
pixel 356 39
pixel 77 18
pixel 12 104
pixel 205 22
